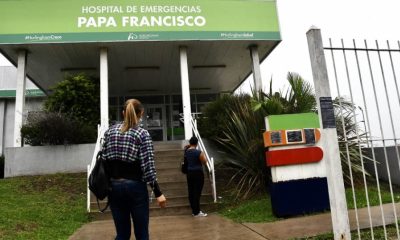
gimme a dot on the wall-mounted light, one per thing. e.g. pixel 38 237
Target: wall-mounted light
pixel 209 66
pixel 130 68
pixel 142 90
pixel 201 88
pixel 76 69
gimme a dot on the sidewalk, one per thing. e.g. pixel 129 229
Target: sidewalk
pixel 216 227
pixel 175 228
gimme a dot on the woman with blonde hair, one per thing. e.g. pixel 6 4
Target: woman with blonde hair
pixel 129 152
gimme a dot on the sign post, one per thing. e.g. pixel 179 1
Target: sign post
pixel 337 197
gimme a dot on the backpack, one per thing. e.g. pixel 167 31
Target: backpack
pixel 99 181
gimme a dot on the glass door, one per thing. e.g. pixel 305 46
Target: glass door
pixel 155 122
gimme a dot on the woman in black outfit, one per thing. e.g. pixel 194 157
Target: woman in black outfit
pixel 195 176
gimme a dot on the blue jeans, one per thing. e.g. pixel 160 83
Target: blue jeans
pixel 128 199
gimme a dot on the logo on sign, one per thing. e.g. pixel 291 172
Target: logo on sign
pixel 132 36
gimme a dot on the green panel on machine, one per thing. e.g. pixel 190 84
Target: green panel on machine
pixel 293 121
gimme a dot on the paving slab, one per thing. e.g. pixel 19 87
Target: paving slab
pixel 175 227
pixel 293 227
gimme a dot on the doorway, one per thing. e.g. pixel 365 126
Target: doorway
pixel 155 121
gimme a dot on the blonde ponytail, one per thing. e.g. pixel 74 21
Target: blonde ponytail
pixel 132 113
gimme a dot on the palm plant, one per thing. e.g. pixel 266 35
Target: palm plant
pixel 242 138
pixel 240 133
pixel 351 139
pixel 299 98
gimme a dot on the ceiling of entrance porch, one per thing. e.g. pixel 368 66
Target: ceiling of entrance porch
pixel 138 68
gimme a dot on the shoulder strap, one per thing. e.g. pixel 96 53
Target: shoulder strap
pixel 105 208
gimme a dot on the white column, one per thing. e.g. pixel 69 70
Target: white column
pixel 187 112
pixel 2 125
pixel 256 69
pixel 329 141
pixel 104 88
pixel 20 97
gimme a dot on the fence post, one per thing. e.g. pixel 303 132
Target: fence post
pixel 337 197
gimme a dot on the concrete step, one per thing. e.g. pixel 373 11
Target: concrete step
pixel 175 206
pixel 182 200
pixel 170 193
pixel 172 185
pixel 166 155
pixel 171 178
pixel 168 165
pixel 170 210
pixel 182 191
pixel 168 145
pixel 177 177
pixel 171 202
pixel 173 210
pixel 168 159
pixel 174 196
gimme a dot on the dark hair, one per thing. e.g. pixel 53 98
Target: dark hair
pixel 193 140
pixel 133 111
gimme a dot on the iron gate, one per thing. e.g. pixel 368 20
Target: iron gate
pixel 363 82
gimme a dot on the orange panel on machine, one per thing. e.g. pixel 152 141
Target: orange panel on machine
pixel 289 137
pixel 294 156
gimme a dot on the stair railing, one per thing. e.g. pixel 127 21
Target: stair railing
pixel 100 134
pixel 210 160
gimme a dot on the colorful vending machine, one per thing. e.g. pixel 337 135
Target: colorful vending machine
pixel 296 159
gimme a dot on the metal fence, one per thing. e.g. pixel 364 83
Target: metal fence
pixel 363 78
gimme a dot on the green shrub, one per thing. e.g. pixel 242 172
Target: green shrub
pixel 46 128
pixel 231 122
pixel 242 138
pixel 71 117
pixel 1 166
pixel 216 115
pixel 78 96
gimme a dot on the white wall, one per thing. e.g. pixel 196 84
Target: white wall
pixel 2 124
pixel 31 104
pixel 381 164
pixel 8 76
pixel 47 159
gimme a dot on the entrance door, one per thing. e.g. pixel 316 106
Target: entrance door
pixel 155 122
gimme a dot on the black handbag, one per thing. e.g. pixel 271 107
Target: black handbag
pixel 99 181
pixel 184 166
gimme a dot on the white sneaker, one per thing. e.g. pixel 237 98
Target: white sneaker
pixel 200 214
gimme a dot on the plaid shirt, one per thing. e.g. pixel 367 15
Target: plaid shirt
pixel 133 145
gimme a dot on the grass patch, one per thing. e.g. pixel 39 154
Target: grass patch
pixel 364 234
pixel 378 232
pixel 42 207
pixel 372 195
pixel 256 209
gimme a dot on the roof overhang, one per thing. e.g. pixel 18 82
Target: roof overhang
pixel 144 67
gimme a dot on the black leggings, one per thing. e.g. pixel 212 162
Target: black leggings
pixel 195 181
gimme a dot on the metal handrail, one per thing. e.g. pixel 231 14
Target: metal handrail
pixel 100 133
pixel 210 160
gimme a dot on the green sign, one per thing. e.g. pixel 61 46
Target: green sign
pixel 47 21
pixel 28 93
pixel 293 121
